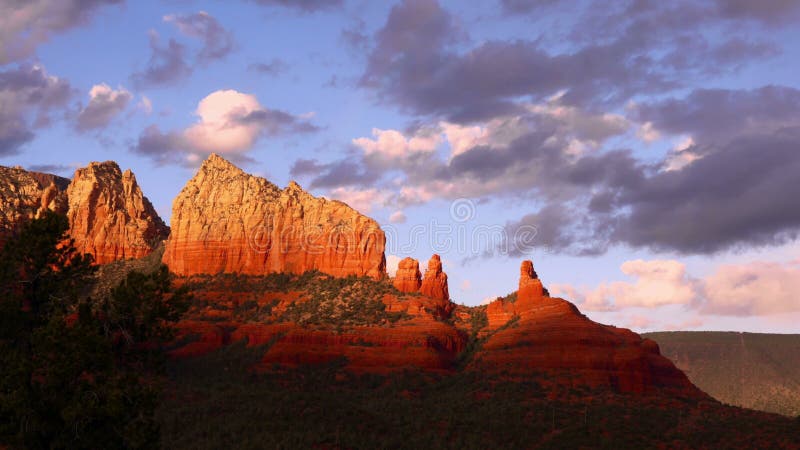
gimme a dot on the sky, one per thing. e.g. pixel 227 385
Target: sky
pixel 644 154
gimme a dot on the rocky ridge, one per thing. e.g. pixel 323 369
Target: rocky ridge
pixel 26 195
pixel 539 333
pixel 227 221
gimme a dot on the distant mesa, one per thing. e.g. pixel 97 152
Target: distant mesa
pixel 227 221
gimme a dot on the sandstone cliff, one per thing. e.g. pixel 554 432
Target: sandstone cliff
pixel 408 277
pixel 109 216
pixel 225 220
pixel 27 195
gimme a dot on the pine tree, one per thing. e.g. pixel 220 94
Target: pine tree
pixel 77 372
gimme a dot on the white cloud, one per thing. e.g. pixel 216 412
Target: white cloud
pixel 462 138
pixel 758 288
pixel 657 283
pixel 229 122
pixel 146 105
pixel 220 128
pixel 681 155
pixel 648 133
pixel 749 289
pixel 393 144
pixel 397 217
pixel 362 200
pixel 391 264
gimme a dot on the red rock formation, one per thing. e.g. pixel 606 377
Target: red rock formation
pixel 225 220
pixel 27 195
pixel 408 277
pixel 530 287
pixel 109 216
pixel 434 284
pixel 537 333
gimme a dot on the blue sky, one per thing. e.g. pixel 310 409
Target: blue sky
pixel 651 149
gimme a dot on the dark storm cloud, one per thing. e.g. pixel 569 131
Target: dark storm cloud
pixel 167 64
pixel 616 53
pixel 414 66
pixel 741 194
pixel 217 41
pixel 769 12
pixel 553 228
pixel 335 174
pixel 720 114
pixel 303 5
pixel 28 96
pixel 24 24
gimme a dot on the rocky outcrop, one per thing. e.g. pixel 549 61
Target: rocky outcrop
pixel 109 216
pixel 408 277
pixel 434 284
pixel 27 195
pixel 227 221
pixel 530 287
pixel 537 333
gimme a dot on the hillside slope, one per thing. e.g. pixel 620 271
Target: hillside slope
pixel 758 371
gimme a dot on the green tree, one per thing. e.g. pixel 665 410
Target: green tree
pixel 78 373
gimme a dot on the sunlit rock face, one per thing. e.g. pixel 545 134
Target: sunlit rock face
pixel 408 277
pixel 227 221
pixel 536 332
pixel 26 195
pixel 434 284
pixel 109 216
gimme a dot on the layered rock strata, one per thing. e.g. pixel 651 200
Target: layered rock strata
pixel 227 221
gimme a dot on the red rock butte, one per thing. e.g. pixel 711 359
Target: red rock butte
pixel 408 277
pixel 434 284
pixel 227 221
pixel 109 216
pixel 544 334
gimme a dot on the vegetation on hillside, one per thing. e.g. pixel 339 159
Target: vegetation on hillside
pixel 324 300
pixel 218 402
pixel 77 372
pixel 753 370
